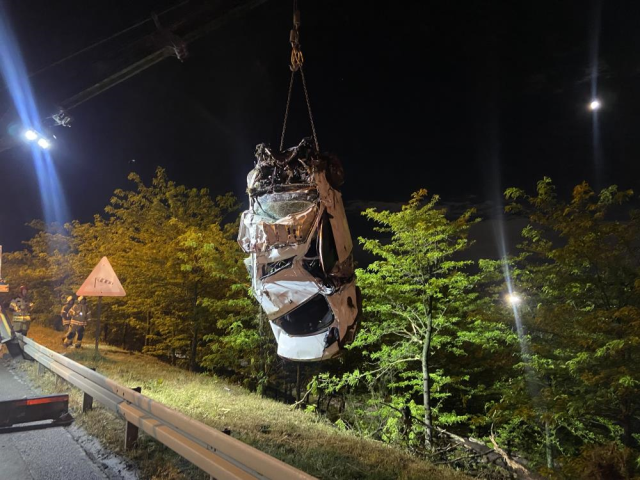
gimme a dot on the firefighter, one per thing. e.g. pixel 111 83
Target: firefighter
pixel 21 307
pixel 65 314
pixel 80 315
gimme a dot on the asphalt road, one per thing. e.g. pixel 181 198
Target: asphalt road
pixel 48 454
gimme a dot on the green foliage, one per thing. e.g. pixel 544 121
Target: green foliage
pixel 579 270
pixel 438 348
pixel 418 299
pixel 175 256
pixel 44 267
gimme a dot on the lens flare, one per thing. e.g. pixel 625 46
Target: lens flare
pixel 30 135
pixel 595 105
pixel 513 299
pixel 16 79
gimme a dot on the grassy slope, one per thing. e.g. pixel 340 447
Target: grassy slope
pixel 298 438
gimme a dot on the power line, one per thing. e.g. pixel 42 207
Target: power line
pixel 100 42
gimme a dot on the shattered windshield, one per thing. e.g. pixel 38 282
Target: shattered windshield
pixel 276 206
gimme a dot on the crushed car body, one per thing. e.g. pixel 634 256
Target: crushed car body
pixel 300 251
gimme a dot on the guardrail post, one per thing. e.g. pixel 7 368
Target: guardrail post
pixel 131 430
pixel 87 403
pixel 87 400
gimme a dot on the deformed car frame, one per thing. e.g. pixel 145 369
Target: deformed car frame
pixel 300 251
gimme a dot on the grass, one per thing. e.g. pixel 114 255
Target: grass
pixel 304 440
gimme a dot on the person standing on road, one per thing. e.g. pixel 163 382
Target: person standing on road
pixel 65 314
pixel 21 308
pixel 80 315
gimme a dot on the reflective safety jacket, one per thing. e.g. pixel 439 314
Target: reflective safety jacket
pixel 80 314
pixel 65 313
pixel 20 308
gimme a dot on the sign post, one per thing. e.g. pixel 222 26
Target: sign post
pixel 102 282
pixel 98 322
pixel 4 288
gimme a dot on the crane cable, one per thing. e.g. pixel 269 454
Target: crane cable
pixel 297 60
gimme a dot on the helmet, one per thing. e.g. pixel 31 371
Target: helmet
pixel 80 298
pixel 69 298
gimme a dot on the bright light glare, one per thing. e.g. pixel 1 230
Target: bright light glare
pixel 44 143
pixel 595 105
pixel 30 135
pixel 513 298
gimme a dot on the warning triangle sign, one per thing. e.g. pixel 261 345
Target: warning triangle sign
pixel 102 282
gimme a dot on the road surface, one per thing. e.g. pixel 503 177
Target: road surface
pixel 48 454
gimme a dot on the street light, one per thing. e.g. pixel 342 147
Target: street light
pixel 30 135
pixel 595 105
pixel 513 299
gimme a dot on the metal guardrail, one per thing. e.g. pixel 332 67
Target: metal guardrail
pixel 218 454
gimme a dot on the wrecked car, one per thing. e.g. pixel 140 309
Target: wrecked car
pixel 300 251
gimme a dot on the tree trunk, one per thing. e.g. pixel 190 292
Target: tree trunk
pixel 194 341
pixel 549 451
pixel 427 386
pixel 298 382
pixel 146 336
pixel 172 349
pixel 193 365
pixel 125 330
pixel 263 366
pixel 627 436
pixel 329 403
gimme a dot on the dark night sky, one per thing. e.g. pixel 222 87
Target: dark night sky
pixel 462 98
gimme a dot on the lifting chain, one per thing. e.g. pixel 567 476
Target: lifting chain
pixel 297 59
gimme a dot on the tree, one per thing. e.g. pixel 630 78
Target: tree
pixel 581 274
pixel 44 266
pixel 157 237
pixel 415 297
pixel 212 262
pixel 176 256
